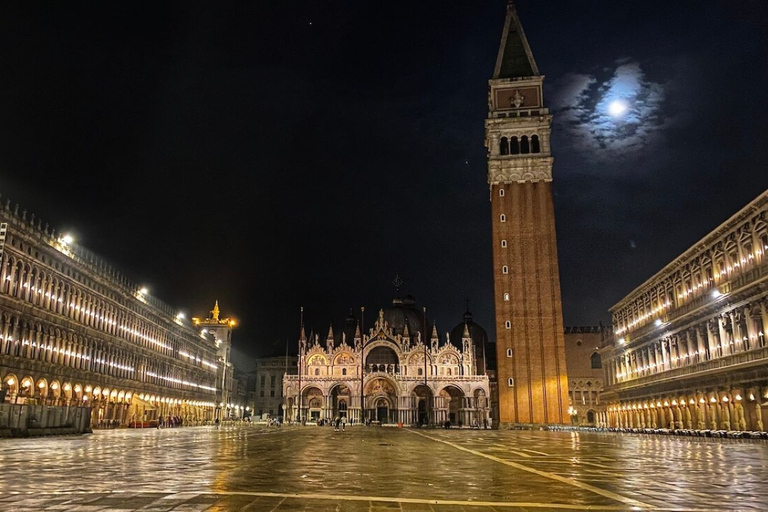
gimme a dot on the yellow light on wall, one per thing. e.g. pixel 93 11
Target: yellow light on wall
pixel 10 381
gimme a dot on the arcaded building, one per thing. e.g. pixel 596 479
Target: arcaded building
pixel 688 348
pixel 75 331
pixel 531 373
pixel 391 373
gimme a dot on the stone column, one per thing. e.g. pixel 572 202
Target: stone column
pixel 726 415
pixel 726 334
pixel 764 316
pixel 740 420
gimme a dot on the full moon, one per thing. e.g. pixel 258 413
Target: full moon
pixel 617 107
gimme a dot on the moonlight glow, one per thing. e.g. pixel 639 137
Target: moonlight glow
pixel 617 107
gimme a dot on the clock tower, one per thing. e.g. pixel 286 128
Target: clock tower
pixel 533 386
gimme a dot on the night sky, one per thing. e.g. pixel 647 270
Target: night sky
pixel 283 154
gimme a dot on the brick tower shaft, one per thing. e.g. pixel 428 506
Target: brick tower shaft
pixel 533 386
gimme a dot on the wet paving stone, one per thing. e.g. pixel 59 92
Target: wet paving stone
pixel 256 468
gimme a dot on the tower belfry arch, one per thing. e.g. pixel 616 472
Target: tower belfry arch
pixel 533 386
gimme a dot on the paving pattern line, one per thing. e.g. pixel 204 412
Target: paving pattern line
pixel 534 451
pixel 545 474
pixel 342 497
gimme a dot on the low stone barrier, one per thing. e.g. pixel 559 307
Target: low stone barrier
pixel 684 432
pixel 27 420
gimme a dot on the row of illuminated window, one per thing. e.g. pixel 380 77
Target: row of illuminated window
pixel 26 282
pixel 45 344
pixel 719 263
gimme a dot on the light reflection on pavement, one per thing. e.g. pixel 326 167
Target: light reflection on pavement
pixel 370 468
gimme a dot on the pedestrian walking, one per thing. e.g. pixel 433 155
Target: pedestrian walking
pixel 343 423
pixel 217 423
pixel 336 424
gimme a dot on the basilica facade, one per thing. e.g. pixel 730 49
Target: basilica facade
pixel 391 374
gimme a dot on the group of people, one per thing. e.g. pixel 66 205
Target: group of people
pixel 340 422
pixel 169 421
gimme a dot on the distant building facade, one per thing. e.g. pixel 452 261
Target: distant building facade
pixel 221 331
pixel 75 331
pixel 585 373
pixel 689 348
pixel 268 394
pixel 389 374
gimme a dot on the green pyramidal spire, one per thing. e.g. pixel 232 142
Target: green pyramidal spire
pixel 515 59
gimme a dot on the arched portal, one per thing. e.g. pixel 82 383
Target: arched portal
pixel 312 399
pixel 482 407
pixel 453 398
pixel 381 401
pixel 341 397
pixel 423 398
pixel 382 410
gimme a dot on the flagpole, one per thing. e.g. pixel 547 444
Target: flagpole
pixel 362 363
pixel 298 394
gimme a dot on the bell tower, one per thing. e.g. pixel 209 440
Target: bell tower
pixel 533 386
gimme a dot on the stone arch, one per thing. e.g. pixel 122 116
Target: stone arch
pixel 424 400
pixel 376 389
pixel 504 146
pixel 42 388
pixel 340 396
pixel 524 145
pixel 55 389
pixel 11 384
pixel 535 145
pixel 452 398
pixel 27 386
pixel 382 358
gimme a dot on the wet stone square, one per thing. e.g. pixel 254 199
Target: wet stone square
pixel 256 468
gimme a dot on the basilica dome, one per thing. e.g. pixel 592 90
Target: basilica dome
pixel 402 311
pixel 485 352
